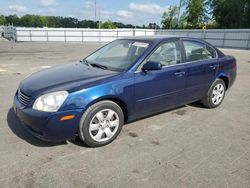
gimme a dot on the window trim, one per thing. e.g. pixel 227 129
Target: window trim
pixel 182 52
pixel 199 42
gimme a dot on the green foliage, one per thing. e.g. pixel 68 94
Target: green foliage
pixel 182 21
pixel 12 19
pixel 153 26
pixel 209 13
pixel 2 20
pixel 107 25
pixel 170 18
pixel 231 13
pixel 196 13
pixel 58 21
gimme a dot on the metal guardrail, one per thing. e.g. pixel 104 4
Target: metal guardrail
pixel 224 38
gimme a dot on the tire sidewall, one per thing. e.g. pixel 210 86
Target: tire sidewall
pixel 90 113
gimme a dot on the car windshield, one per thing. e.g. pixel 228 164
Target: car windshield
pixel 119 55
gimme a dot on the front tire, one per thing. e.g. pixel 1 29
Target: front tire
pixel 101 123
pixel 215 94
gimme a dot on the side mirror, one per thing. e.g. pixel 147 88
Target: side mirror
pixel 151 65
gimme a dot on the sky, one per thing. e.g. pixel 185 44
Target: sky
pixel 137 12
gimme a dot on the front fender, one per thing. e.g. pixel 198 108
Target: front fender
pixel 122 90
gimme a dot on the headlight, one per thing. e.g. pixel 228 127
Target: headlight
pixel 50 102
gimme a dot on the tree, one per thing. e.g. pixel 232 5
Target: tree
pixel 12 19
pixel 107 25
pixel 119 24
pixel 69 22
pixel 196 13
pixel 247 13
pixel 87 24
pixel 231 13
pixel 182 23
pixel 2 20
pixel 27 21
pixel 44 21
pixel 129 26
pixel 54 21
pixel 170 18
pixel 179 16
pixel 153 26
pixel 58 21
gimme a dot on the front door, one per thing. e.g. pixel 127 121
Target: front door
pixel 160 89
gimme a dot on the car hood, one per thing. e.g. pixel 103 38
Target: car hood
pixel 62 77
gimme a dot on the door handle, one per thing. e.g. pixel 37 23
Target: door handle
pixel 212 67
pixel 180 73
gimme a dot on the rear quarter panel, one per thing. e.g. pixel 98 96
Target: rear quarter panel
pixel 228 68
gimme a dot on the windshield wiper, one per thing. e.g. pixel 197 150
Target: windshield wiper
pixel 98 66
pixel 85 62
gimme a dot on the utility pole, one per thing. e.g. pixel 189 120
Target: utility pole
pixel 99 20
pixel 179 12
pixel 95 14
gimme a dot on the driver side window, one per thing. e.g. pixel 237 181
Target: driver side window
pixel 167 54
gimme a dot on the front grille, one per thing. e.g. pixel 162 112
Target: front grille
pixel 23 98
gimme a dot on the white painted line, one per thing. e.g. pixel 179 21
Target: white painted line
pixel 2 70
pixel 45 67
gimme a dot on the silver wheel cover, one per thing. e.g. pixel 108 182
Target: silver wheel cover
pixel 104 125
pixel 218 94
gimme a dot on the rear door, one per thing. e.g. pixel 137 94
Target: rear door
pixel 201 67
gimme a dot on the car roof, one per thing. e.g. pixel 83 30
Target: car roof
pixel 158 38
pixel 152 37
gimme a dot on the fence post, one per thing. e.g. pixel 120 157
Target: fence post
pixel 65 36
pixel 248 43
pixel 204 34
pixel 14 34
pixel 133 32
pixel 99 33
pixel 117 34
pixel 30 36
pixel 47 35
pixel 82 36
pixel 224 38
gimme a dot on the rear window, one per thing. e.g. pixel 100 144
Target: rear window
pixel 196 51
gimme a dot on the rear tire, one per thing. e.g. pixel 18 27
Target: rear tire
pixel 215 94
pixel 101 123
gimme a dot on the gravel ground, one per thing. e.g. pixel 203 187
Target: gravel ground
pixel 190 146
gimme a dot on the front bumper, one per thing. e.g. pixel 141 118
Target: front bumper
pixel 48 126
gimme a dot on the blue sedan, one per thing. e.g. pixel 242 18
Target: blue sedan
pixel 125 80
